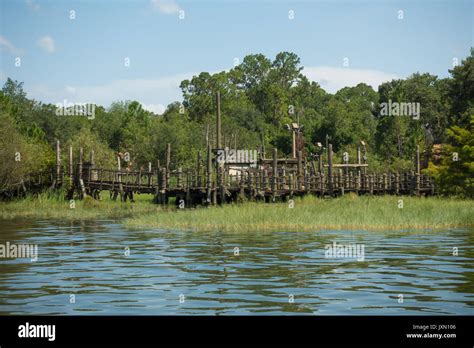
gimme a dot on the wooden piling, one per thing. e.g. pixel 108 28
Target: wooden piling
pixel 275 173
pixel 164 187
pixel 330 178
pixel 58 163
pixel 208 173
pixel 71 167
pixel 418 170
pixel 168 162
pixel 218 121
pixel 150 178
pixel 397 183
pixel 359 157
pixel 91 165
pixel 119 177
pixel 180 178
pixel 299 177
pixel 80 176
pixel 198 169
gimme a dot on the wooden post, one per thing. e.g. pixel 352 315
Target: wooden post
pixel 198 170
pixel 219 167
pixel 339 180
pixel 71 167
pixel 418 170
pixel 58 163
pixel 220 182
pixel 330 178
pixel 249 183
pixel 397 183
pixel 293 144
pixel 168 162
pixel 218 121
pixel 149 174
pixel 275 173
pixel 180 178
pixel 300 170
pixel 164 188
pixel 81 154
pixel 81 181
pixel 358 181
pixel 188 189
pixel 265 180
pixel 257 181
pixel 119 177
pixel 157 185
pixel 208 173
pixel 321 184
pixel 320 162
pixel 91 165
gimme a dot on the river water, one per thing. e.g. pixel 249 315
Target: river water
pixel 103 268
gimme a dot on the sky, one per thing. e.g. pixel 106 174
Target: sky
pixel 100 51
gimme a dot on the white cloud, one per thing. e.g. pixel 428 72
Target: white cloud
pixel 156 94
pixel 5 44
pixel 333 79
pixel 70 89
pixel 32 5
pixel 46 43
pixel 153 94
pixel 165 6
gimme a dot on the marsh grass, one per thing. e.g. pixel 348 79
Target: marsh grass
pixel 55 206
pixel 308 214
pixel 311 213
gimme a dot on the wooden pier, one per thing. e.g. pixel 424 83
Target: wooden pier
pixel 212 181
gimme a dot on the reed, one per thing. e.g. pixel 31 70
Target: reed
pixel 311 214
pixel 55 206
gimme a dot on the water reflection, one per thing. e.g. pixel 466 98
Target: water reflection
pixel 89 260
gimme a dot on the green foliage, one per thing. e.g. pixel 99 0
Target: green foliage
pixel 455 174
pixel 104 157
pixel 258 98
pixel 461 92
pixel 20 156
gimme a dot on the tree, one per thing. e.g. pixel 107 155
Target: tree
pixel 455 173
pixel 461 92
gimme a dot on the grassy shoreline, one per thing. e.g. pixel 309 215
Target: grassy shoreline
pixel 56 207
pixel 308 214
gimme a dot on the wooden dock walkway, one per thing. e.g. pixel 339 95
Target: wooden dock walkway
pixel 213 181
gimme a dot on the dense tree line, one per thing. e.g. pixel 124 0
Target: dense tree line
pixel 258 97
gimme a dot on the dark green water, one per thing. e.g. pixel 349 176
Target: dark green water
pixel 87 260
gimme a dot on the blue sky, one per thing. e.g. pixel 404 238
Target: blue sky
pixel 83 59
